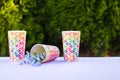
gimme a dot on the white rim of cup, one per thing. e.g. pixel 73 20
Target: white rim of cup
pixel 70 31
pixel 16 31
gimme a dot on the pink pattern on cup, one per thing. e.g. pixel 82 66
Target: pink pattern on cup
pixel 16 40
pixel 71 41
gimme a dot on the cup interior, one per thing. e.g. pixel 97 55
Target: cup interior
pixel 38 49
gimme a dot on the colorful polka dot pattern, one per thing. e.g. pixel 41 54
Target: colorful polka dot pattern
pixel 16 41
pixel 52 52
pixel 71 41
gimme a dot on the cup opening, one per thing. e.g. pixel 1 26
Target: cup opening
pixel 39 49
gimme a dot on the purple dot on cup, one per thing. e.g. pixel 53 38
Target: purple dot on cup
pixel 67 43
pixel 19 50
pixel 65 51
pixel 70 46
pixel 12 50
pixel 16 45
pixel 71 51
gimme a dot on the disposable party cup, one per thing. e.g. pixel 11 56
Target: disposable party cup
pixel 16 41
pixel 51 52
pixel 71 43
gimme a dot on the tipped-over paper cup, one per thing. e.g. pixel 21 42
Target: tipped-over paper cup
pixel 50 52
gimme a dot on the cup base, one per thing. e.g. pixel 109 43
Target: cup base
pixel 70 58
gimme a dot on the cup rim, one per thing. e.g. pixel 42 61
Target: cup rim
pixel 16 31
pixel 71 31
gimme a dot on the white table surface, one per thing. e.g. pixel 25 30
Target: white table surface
pixel 86 68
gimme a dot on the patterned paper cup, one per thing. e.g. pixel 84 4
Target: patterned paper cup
pixel 16 41
pixel 50 52
pixel 71 41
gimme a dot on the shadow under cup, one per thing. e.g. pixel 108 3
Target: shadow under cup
pixel 71 43
pixel 16 41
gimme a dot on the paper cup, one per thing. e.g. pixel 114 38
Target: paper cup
pixel 16 41
pixel 71 41
pixel 50 52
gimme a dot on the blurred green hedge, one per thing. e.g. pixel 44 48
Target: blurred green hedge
pixel 98 21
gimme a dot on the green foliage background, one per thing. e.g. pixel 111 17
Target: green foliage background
pixel 98 21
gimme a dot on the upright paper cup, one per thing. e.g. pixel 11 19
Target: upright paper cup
pixel 50 52
pixel 16 41
pixel 71 41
